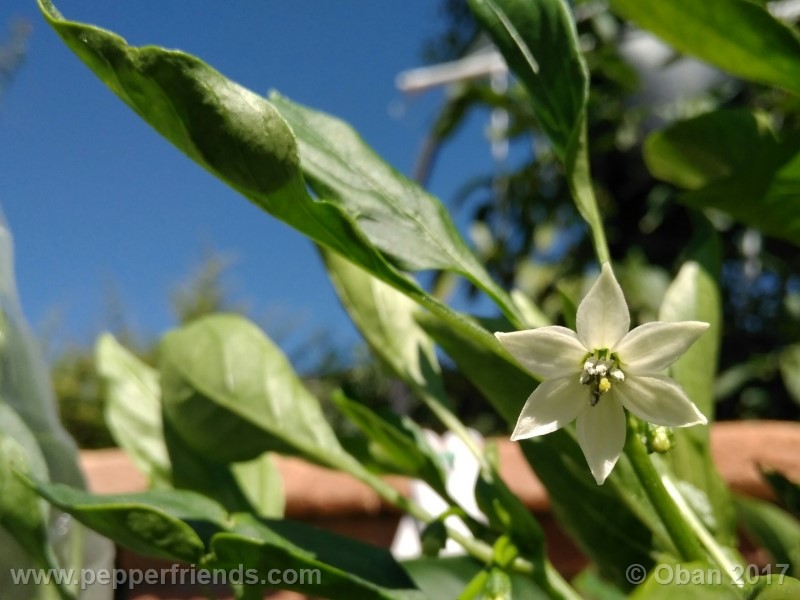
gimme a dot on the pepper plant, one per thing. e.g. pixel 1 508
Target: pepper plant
pixel 223 399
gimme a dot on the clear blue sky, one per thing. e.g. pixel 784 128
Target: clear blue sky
pixel 94 196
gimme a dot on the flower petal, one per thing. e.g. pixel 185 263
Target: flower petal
pixel 555 403
pixel 547 351
pixel 603 317
pixel 659 400
pixel 601 434
pixel 653 347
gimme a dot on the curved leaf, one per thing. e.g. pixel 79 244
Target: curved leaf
pixel 738 36
pixel 773 529
pixel 230 393
pixel 22 513
pixel 133 408
pixel 396 214
pixel 540 44
pixel 326 564
pixel 232 132
pixel 171 524
pixel 385 318
pixel 730 160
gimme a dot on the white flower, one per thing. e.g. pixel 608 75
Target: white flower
pixel 592 374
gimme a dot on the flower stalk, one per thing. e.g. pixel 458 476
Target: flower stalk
pixel 682 536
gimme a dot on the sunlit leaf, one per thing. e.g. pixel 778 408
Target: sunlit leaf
pixel 133 408
pixel 730 160
pixel 540 44
pixel 773 529
pixel 738 36
pixel 397 215
pixel 170 524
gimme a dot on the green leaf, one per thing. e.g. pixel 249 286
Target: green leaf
pixel 692 581
pixel 396 442
pixel 385 318
pixel 133 408
pixel 232 132
pixel 787 491
pixel 730 160
pixel 738 36
pixel 171 524
pixel 229 130
pixel 204 474
pixel 789 361
pixel 540 44
pixel 22 512
pixel 446 578
pixel 694 296
pixel 399 217
pixel 326 564
pixel 134 415
pixel 773 529
pixel 775 586
pixel 231 394
pixel 262 484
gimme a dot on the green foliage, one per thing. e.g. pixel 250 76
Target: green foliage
pixel 223 397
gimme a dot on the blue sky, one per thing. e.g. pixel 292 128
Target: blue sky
pixel 96 198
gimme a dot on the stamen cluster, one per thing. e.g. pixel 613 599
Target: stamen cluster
pixel 600 371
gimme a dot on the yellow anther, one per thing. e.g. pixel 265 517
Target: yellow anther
pixel 604 385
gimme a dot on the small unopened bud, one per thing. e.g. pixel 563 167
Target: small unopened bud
pixel 659 439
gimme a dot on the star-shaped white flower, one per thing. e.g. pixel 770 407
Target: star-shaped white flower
pixel 592 374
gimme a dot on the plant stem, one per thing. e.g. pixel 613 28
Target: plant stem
pixel 449 420
pixel 479 550
pixel 680 532
pixel 708 541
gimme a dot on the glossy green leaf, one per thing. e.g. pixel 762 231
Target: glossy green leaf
pixel 774 586
pixel 327 564
pixel 692 581
pixel 607 522
pixel 539 42
pixel 446 578
pixel 22 512
pixel 231 393
pixel 385 318
pixel 133 408
pixel 694 296
pixel 730 160
pixel 225 127
pixel 773 529
pixel 171 524
pixel 25 377
pixel 399 217
pixel 738 36
pixel 232 132
pixel 787 491
pixel 262 483
pixel 204 473
pixel 789 361
pixel 395 442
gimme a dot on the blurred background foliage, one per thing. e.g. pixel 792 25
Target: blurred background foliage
pixel 524 227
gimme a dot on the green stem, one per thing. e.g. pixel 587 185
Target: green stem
pixel 454 424
pixel 680 532
pixel 712 547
